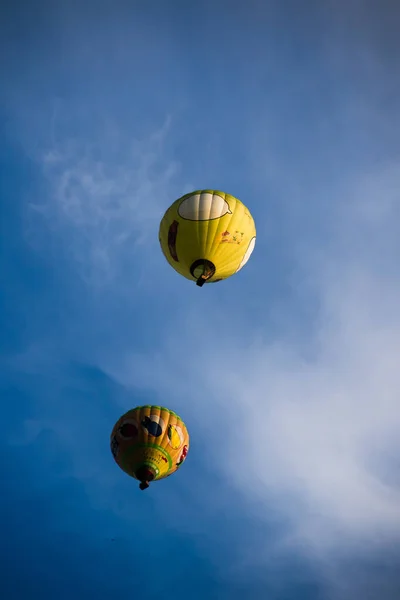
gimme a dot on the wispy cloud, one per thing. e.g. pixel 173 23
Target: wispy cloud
pixel 308 425
pixel 106 195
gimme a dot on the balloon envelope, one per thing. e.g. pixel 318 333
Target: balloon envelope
pixel 149 443
pixel 207 235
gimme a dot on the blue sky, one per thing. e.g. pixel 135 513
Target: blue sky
pixel 286 375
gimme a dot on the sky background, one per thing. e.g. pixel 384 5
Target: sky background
pixel 286 375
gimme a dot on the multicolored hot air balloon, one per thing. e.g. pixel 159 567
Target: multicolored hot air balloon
pixel 207 236
pixel 149 443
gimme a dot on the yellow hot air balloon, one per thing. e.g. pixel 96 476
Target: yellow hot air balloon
pixel 207 235
pixel 149 443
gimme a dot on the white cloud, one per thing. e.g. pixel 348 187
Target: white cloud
pixel 105 196
pixel 316 436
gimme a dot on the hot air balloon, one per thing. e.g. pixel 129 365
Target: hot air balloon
pixel 207 236
pixel 149 443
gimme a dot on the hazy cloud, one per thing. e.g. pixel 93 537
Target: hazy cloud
pixel 312 423
pixel 106 195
